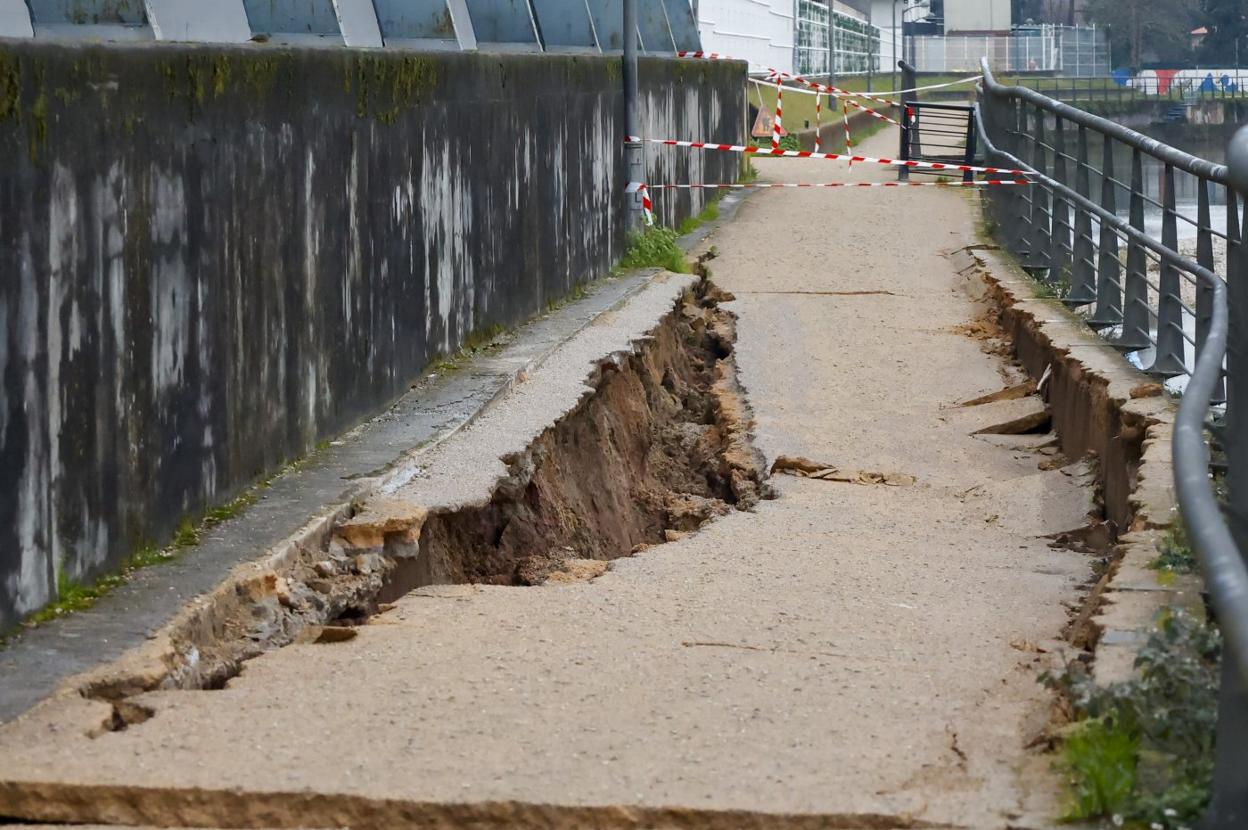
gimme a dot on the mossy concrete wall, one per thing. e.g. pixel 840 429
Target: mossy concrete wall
pixel 213 258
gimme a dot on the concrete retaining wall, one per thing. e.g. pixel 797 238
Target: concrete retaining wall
pixel 213 258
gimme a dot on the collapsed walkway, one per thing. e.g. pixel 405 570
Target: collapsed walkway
pixel 851 654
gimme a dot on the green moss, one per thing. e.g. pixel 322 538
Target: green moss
pixel 39 119
pixel 187 534
pixel 10 88
pixel 260 75
pixel 1175 554
pixel 709 214
pixel 481 341
pixel 385 84
pixel 73 597
pixel 196 79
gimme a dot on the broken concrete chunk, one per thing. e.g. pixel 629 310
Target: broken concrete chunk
pixel 369 563
pixel 1024 416
pixel 1010 393
pixel 577 570
pixel 380 517
pixel 805 468
pixel 1147 390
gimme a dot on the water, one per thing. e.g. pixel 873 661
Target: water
pixel 1206 142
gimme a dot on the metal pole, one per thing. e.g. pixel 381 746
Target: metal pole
pixel 634 160
pixel 894 55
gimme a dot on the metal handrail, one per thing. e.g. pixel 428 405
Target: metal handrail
pixel 1183 161
pixel 1112 219
pixel 1224 568
pixel 1215 545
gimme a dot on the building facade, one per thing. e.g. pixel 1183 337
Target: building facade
pixel 806 37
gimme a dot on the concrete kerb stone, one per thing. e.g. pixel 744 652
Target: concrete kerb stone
pixel 1100 404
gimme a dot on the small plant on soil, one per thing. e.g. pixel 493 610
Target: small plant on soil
pixel 788 142
pixel 1140 752
pixel 655 248
pixel 1176 554
pixel 709 214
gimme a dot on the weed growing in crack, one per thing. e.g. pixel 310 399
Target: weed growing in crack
pixel 1176 555
pixel 483 341
pixel 1141 751
pixel 709 214
pixel 1056 287
pixel 655 248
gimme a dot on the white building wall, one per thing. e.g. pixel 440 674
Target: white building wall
pixel 884 13
pixel 977 16
pixel 760 31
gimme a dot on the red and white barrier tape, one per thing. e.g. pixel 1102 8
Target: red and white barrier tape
pixel 806 154
pixel 776 127
pixel 846 97
pixel 849 141
pixel 819 122
pixel 831 90
pixel 647 206
pixel 765 185
pixel 871 112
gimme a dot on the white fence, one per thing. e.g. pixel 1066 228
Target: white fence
pixel 1080 52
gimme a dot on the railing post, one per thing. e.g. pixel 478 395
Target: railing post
pixel 1108 269
pixel 1060 265
pixel 1168 362
pixel 1041 213
pixel 1024 198
pixel 1082 281
pixel 1135 311
pixel 1204 256
pixel 909 129
pixel 971 135
pixel 1228 807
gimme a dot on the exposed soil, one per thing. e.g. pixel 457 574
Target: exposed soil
pixel 660 446
pixel 657 450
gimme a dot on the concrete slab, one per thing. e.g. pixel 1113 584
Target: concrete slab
pixel 847 656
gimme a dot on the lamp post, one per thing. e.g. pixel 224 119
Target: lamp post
pixel 633 158
pixel 894 55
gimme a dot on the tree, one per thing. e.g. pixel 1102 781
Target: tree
pixel 1148 31
pixel 1227 21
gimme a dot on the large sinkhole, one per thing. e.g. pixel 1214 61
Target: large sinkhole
pixel 660 447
